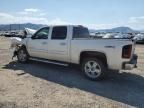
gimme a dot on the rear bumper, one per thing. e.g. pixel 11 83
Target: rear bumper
pixel 132 64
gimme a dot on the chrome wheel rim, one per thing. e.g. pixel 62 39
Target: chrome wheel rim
pixel 22 55
pixel 92 69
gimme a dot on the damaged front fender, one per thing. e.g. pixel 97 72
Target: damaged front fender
pixel 15 41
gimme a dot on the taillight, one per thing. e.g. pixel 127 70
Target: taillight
pixel 126 51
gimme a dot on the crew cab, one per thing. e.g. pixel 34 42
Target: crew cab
pixel 71 44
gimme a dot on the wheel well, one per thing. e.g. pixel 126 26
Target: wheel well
pixel 98 55
pixel 23 46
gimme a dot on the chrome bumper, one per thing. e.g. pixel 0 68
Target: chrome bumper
pixel 132 64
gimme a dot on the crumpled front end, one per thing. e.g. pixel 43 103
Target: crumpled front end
pixel 15 45
pixel 15 41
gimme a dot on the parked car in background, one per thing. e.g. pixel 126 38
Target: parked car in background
pixel 109 35
pixel 139 38
pixel 7 34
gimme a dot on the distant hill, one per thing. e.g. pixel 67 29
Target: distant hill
pixel 117 29
pixel 20 26
pixel 8 27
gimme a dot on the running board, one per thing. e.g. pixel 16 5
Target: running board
pixel 48 61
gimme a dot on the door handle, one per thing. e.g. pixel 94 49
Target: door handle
pixel 109 46
pixel 63 43
pixel 44 43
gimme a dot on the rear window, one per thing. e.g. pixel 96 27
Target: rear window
pixel 80 32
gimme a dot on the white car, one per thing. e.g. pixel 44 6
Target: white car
pixel 67 44
pixel 139 38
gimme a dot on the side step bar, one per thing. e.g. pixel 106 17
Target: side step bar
pixel 48 61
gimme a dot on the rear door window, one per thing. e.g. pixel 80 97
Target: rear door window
pixel 59 33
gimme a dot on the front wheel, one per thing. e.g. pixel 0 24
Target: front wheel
pixel 22 55
pixel 94 69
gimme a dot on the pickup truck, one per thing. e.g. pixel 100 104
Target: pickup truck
pixel 71 44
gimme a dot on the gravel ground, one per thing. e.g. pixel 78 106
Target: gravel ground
pixel 40 85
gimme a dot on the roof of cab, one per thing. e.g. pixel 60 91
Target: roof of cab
pixel 64 25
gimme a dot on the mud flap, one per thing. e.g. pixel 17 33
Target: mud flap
pixel 14 54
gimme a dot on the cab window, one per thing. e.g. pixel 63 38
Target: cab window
pixel 59 33
pixel 42 33
pixel 80 32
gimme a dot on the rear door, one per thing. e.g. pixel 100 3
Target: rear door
pixel 58 44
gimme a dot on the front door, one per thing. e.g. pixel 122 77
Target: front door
pixel 38 44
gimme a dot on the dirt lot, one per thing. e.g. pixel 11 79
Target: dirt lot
pixel 39 85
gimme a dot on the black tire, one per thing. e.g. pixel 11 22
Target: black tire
pixel 97 71
pixel 22 58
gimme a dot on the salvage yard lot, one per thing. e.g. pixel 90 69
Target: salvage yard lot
pixel 40 85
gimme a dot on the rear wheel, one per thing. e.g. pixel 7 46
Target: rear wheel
pixel 94 69
pixel 22 55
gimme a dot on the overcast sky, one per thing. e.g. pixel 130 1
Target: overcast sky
pixel 96 14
